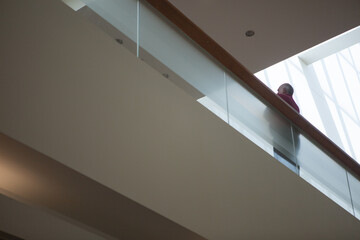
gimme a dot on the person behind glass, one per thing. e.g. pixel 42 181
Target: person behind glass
pixel 286 91
pixel 286 138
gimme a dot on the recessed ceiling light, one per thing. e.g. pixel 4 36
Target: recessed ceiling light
pixel 249 33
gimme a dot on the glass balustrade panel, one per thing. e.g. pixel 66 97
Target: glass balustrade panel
pixel 354 184
pixel 122 15
pixel 321 171
pixel 260 123
pixel 161 43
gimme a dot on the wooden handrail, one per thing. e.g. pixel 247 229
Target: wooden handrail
pixel 227 60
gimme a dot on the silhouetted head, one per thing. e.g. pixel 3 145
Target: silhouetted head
pixel 286 88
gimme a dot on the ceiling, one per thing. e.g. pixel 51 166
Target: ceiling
pixel 282 28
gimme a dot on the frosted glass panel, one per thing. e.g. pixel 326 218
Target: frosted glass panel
pixel 122 14
pixel 323 173
pixel 355 193
pixel 161 40
pixel 248 114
